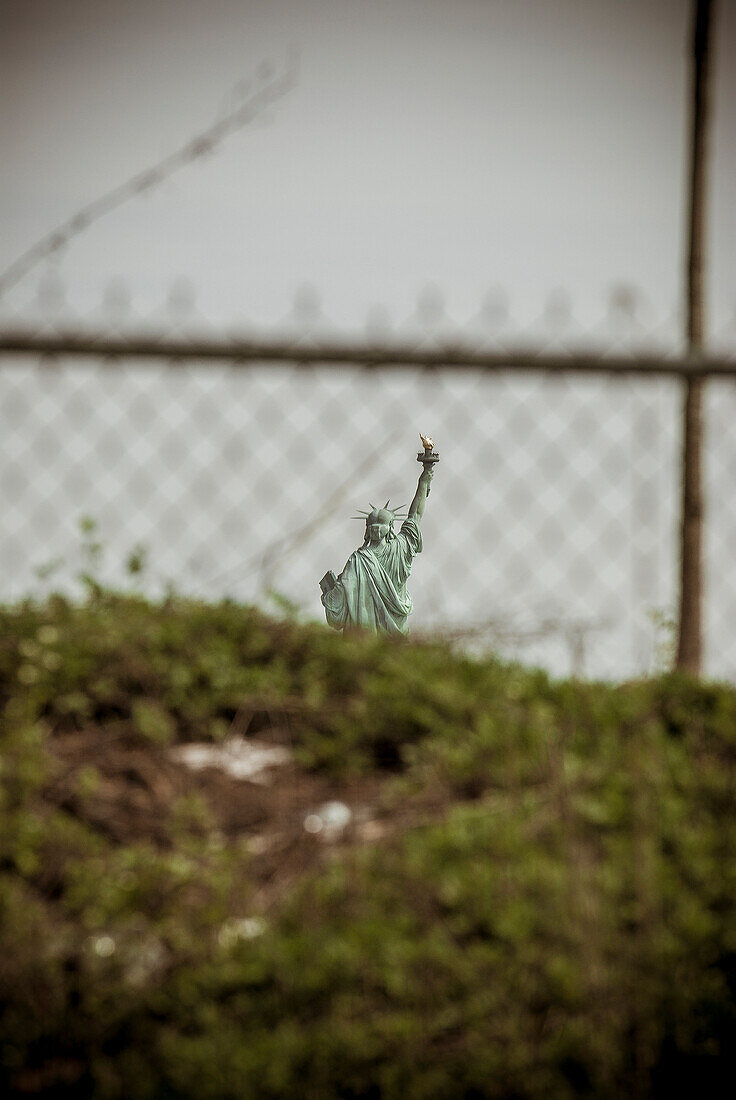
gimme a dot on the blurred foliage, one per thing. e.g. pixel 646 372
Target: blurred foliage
pixel 559 923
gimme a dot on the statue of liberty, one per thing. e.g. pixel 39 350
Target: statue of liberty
pixel 371 590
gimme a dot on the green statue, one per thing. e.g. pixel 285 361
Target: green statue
pixel 371 590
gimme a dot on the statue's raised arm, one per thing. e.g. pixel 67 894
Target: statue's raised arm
pixel 371 590
pixel 428 457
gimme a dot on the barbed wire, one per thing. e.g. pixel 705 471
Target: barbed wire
pixel 271 89
pixel 626 336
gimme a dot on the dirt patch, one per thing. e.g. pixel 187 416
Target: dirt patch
pixel 289 820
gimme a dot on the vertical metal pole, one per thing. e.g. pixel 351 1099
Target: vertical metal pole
pixel 690 633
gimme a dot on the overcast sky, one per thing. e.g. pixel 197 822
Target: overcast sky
pixel 526 144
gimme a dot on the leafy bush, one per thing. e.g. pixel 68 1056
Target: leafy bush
pixel 550 911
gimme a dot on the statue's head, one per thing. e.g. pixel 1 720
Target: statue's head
pixel 379 523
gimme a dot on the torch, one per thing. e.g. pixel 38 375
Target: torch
pixel 428 456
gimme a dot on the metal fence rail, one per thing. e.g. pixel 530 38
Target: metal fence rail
pixel 338 353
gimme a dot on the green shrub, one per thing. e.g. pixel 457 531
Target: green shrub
pixel 550 914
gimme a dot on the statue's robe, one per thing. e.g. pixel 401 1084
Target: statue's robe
pixel 371 590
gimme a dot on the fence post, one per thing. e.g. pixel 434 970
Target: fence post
pixel 690 626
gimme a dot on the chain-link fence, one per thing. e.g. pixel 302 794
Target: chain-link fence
pixel 551 532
